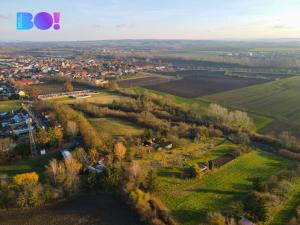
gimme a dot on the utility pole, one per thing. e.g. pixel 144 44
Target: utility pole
pixel 31 138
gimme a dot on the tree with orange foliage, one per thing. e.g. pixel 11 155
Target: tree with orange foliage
pixel 56 136
pixel 120 150
pixel 94 155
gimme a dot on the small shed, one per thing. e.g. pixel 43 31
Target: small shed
pixel 167 145
pixel 148 142
pixel 203 167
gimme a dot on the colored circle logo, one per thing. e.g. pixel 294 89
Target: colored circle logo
pixel 43 20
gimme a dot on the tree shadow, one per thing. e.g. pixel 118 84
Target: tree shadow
pixel 175 174
pixel 190 216
pixel 214 191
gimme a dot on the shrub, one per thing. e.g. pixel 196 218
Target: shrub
pixel 30 195
pixel 119 150
pixel 259 185
pixel 93 156
pixel 255 207
pixel 111 178
pixel 215 218
pixel 25 178
pixel 196 171
pixel 288 154
pixel 150 183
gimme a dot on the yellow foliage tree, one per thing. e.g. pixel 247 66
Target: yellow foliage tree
pixel 56 135
pixel 120 150
pixel 25 178
pixel 93 155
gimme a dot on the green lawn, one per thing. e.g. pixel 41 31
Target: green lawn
pixel 116 127
pixel 220 190
pixel 30 165
pixel 278 99
pixel 188 153
pixel 6 106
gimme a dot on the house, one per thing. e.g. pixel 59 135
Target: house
pixel 22 130
pixel 25 82
pixel 148 142
pixel 203 167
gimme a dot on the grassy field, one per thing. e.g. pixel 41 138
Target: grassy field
pixel 260 121
pixel 278 99
pixel 220 190
pixel 99 98
pixel 6 106
pixel 188 54
pixel 30 165
pixel 116 127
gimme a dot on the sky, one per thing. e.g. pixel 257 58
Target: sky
pixel 155 19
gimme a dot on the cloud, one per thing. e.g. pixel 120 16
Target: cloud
pixel 280 27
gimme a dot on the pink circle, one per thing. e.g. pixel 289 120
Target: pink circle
pixel 56 27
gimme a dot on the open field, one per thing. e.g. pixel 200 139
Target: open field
pixel 260 121
pixel 278 99
pixel 197 83
pixel 222 189
pixel 170 162
pixel 100 209
pixel 150 79
pixel 30 165
pixel 6 106
pixel 98 98
pixel 51 87
pixel 116 127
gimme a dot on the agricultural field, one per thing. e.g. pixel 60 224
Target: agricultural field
pixel 279 100
pixel 152 79
pixel 97 210
pixel 6 106
pixel 116 127
pixel 220 190
pixel 196 83
pixel 52 86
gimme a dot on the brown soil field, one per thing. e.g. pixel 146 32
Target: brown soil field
pixel 101 209
pixel 196 83
pixel 51 87
pixel 150 80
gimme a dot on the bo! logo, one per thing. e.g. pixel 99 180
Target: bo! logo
pixel 42 20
